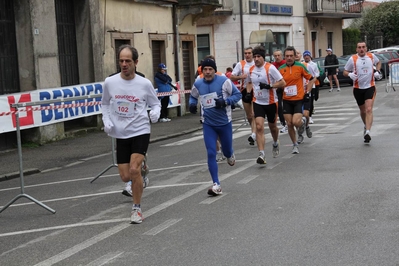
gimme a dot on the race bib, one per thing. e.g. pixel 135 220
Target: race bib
pixel 124 108
pixel 261 94
pixel 291 90
pixel 207 100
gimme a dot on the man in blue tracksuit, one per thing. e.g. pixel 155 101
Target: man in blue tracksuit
pixel 216 95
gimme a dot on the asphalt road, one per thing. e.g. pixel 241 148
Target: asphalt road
pixel 335 203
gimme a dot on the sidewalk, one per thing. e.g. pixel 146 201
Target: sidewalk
pixel 88 143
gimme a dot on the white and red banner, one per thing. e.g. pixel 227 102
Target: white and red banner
pixel 50 113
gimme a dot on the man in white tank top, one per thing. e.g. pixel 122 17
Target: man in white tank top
pixel 360 68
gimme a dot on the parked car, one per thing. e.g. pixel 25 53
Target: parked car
pixel 391 48
pixel 341 78
pixel 384 64
pixel 392 56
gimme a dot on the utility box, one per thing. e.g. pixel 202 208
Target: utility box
pixel 253 7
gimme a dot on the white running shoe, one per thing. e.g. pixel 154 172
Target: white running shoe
pixel 310 120
pixel 276 149
pixel 300 139
pixel 301 129
pixel 295 149
pixel 284 129
pixel 163 120
pixel 127 191
pixel 261 159
pixel 215 190
pixel 331 90
pixel 137 216
pixel 219 156
pixel 339 89
pixel 367 137
pixel 309 133
pixel 251 140
pixel 232 160
pixel 146 181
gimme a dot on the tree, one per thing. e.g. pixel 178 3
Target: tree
pixel 350 37
pixel 384 17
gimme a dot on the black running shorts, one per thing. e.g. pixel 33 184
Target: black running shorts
pixel 126 147
pixel 361 95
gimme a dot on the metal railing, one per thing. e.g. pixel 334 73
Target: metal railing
pixel 342 6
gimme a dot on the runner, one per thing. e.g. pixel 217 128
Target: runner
pixel 262 80
pixel 360 69
pixel 294 92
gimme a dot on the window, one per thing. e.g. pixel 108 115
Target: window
pixel 330 40
pixel 203 47
pixel 66 36
pixel 9 74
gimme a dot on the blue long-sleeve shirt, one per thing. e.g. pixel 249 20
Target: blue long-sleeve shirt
pixel 219 87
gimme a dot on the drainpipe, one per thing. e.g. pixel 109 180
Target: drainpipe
pixel 176 48
pixel 242 31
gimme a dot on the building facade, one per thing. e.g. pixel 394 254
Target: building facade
pixel 307 25
pixel 60 43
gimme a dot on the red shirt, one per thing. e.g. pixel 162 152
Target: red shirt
pixel 279 64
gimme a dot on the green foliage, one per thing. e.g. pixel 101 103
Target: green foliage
pixel 350 37
pixel 386 18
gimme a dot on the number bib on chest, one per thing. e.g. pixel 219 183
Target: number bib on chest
pixel 261 94
pixel 124 108
pixel 291 90
pixel 207 100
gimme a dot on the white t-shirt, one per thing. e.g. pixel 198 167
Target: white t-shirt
pixel 363 68
pixel 238 70
pixel 128 101
pixel 257 75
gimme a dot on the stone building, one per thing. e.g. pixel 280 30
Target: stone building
pixel 58 43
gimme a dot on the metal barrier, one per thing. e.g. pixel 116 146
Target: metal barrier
pixel 26 107
pixel 393 77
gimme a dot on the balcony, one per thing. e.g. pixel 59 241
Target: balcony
pixel 343 9
pixel 226 9
pixel 197 8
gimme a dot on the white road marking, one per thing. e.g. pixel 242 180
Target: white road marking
pixel 165 225
pixel 247 179
pixel 211 200
pixel 103 260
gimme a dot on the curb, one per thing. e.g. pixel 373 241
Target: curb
pixel 31 171
pixel 13 175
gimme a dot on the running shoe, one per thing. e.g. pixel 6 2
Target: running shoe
pixel 367 138
pixel 137 216
pixel 219 157
pixel 331 90
pixel 310 120
pixel 284 129
pixel 232 160
pixel 276 150
pixel 309 133
pixel 163 120
pixel 127 191
pixel 301 129
pixel 300 139
pixel 261 159
pixel 339 89
pixel 251 140
pixel 295 149
pixel 146 181
pixel 215 190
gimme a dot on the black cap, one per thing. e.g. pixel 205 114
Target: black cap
pixel 208 62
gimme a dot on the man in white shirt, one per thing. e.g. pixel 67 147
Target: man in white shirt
pixel 126 97
pixel 360 68
pixel 240 73
pixel 263 79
